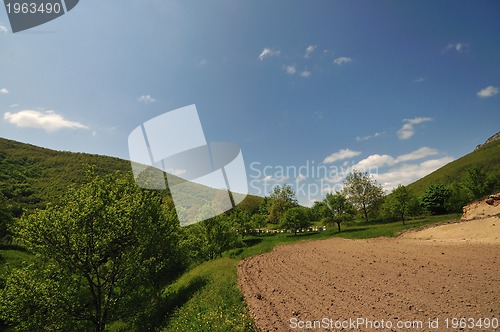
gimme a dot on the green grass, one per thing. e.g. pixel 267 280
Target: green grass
pixel 11 256
pixel 207 298
pixel 487 157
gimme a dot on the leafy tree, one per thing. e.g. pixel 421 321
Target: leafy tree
pixel 104 251
pixel 339 208
pixel 477 182
pixel 435 198
pixel 295 218
pixel 319 211
pixel 259 221
pixel 363 192
pixel 208 239
pixel 242 219
pixel 282 199
pixel 5 219
pixel 402 197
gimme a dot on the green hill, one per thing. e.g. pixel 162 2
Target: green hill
pixel 486 156
pixel 32 176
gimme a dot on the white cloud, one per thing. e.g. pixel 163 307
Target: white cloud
pixel 300 178
pixel 47 120
pixel 13 105
pixel 419 80
pixel 489 91
pixel 305 73
pixel 3 29
pixel 270 178
pixel 146 99
pixel 377 160
pixel 406 174
pixel 365 138
pixel 408 129
pixel 203 62
pixel 342 60
pixel 309 51
pixel 290 70
pixel 267 52
pixel 418 154
pixel 341 155
pixel 4 91
pixel 459 47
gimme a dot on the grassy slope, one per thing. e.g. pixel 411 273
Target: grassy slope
pixel 31 176
pixel 217 304
pixel 488 157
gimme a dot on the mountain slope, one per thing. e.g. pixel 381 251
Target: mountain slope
pixel 486 156
pixel 32 176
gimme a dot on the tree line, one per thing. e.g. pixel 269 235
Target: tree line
pixel 106 250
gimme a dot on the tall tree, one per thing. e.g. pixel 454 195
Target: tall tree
pixel 295 218
pixel 435 198
pixel 282 199
pixel 5 219
pixel 104 250
pixel 363 192
pixel 339 208
pixel 477 182
pixel 402 197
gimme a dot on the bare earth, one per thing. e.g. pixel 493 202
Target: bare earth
pixel 446 272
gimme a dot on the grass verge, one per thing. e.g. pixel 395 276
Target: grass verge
pixel 216 304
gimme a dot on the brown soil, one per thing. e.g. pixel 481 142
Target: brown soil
pixel 385 280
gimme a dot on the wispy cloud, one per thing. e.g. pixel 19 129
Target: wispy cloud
pixel 341 155
pixel 3 29
pixel 419 80
pixel 4 91
pixel 46 120
pixel 408 129
pixel 458 47
pixel 368 137
pixel 342 60
pixel 270 178
pixel 203 62
pixel 408 173
pixel 146 99
pixel 319 115
pixel 290 70
pixel 267 52
pixel 377 160
pixel 309 50
pixel 305 73
pixel 489 91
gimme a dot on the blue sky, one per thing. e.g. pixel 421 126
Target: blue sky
pixel 402 86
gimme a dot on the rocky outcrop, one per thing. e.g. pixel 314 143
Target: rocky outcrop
pixel 486 208
pixel 491 139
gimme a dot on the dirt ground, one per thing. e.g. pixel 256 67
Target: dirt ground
pixel 422 281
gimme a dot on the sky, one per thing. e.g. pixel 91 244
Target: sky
pixel 309 90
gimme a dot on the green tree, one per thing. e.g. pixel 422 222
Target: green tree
pixel 295 218
pixel 477 182
pixel 402 197
pixel 208 239
pixel 435 198
pixel 5 219
pixel 104 251
pixel 339 208
pixel 363 192
pixel 281 199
